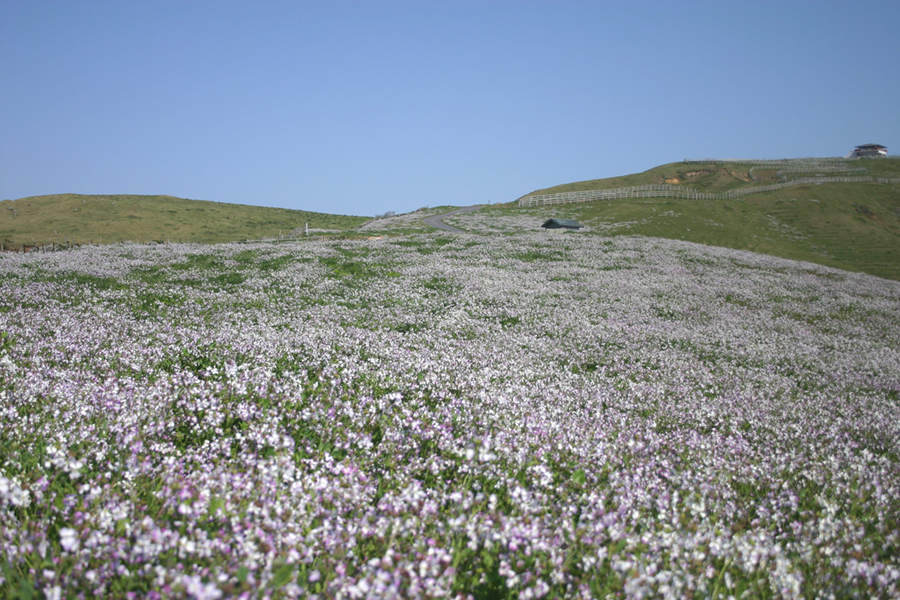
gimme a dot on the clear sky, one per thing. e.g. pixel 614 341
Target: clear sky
pixel 363 107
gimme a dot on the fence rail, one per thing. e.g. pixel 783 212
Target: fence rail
pixel 784 170
pixel 817 167
pixel 770 161
pixel 677 191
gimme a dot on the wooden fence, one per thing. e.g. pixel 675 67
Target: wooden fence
pixel 770 161
pixel 677 191
pixel 784 170
pixel 8 246
pixel 817 168
pixel 43 247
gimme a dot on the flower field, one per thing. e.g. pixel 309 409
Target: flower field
pixel 542 415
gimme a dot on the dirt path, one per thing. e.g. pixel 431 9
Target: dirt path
pixel 437 222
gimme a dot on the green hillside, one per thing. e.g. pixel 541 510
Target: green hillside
pixel 85 219
pixel 852 226
pixel 721 177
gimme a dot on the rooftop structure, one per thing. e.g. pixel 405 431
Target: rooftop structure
pixel 868 150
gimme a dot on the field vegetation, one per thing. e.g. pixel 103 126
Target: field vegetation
pixel 539 415
pixel 851 226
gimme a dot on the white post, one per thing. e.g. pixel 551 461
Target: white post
pixel 307 230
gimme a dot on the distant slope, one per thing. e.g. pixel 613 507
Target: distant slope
pixel 725 176
pixel 852 226
pixel 83 219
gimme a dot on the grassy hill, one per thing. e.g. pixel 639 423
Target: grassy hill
pixel 83 219
pixel 851 226
pixel 721 177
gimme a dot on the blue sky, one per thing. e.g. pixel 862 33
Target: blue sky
pixel 367 107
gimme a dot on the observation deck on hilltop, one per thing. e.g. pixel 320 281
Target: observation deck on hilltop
pixel 868 151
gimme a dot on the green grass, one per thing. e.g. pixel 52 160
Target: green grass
pixel 705 178
pixel 714 178
pixel 84 219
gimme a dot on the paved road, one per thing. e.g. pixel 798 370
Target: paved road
pixel 437 222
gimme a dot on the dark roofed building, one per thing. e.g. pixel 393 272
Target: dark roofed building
pixel 562 224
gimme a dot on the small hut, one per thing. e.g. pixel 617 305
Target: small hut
pixel 562 224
